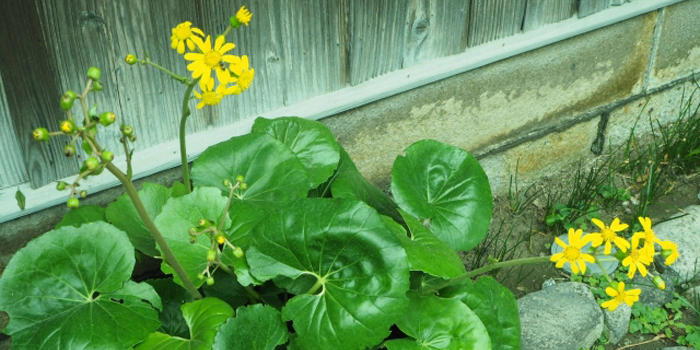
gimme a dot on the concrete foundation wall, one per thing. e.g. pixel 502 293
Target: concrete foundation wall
pixel 541 108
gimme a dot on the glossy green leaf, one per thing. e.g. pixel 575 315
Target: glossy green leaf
pixel 348 183
pixel 495 305
pixel 311 141
pixel 21 199
pixel 124 216
pixel 255 327
pixel 437 323
pixel 181 214
pixel 82 215
pixel 173 297
pixel 74 275
pixel 359 265
pixel 271 171
pixel 446 185
pixel 425 251
pixel 204 317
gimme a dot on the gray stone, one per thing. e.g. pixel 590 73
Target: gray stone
pixel 617 323
pixel 693 295
pixel 685 232
pixel 652 296
pixel 561 317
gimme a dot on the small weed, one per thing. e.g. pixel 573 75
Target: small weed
pixel 519 199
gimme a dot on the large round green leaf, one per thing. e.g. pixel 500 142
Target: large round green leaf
pixel 70 289
pixel 255 327
pixel 446 185
pixel 311 141
pixel 495 305
pixel 181 214
pixel 360 267
pixel 124 216
pixel 425 252
pixel 204 317
pixel 437 323
pixel 271 171
pixel 348 183
pixel 82 215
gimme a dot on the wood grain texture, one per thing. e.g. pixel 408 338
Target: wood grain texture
pixel 31 83
pixel 589 7
pixel 542 12
pixel 435 29
pixel 375 32
pixel 12 170
pixel 494 19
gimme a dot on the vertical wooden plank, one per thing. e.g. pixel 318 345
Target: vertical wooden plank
pixel 375 38
pixel 494 19
pixel 29 71
pixel 435 29
pixel 542 12
pixel 589 7
pixel 12 170
pixel 101 33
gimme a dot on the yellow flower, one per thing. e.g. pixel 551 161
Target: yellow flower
pixel 243 74
pixel 184 34
pixel 211 97
pixel 243 16
pixel 637 258
pixel 210 59
pixel 620 295
pixel 648 235
pixel 572 252
pixel 669 250
pixel 608 235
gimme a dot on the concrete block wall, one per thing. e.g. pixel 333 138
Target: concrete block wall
pixel 541 108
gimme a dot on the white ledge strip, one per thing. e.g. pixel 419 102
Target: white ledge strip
pixel 166 155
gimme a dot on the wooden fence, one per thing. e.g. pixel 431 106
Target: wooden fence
pixel 299 49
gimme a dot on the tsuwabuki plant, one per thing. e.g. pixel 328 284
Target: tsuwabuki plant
pixel 277 240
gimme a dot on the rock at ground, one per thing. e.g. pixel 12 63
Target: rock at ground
pixel 652 296
pixel 685 232
pixel 693 295
pixel 617 323
pixel 561 317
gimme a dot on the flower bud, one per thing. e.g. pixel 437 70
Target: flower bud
pixel 67 126
pixel 41 134
pixel 73 202
pixel 107 156
pixel 61 185
pixel 69 150
pixel 240 178
pixel 132 138
pixel 83 194
pixel 67 100
pixel 227 183
pixel 131 59
pixel 127 130
pixel 200 276
pixel 92 163
pixel 659 282
pixel 94 73
pixel 203 223
pixel 193 240
pixel 210 280
pixel 244 186
pixel 107 118
pixel 220 238
pixel 98 171
pixel 97 86
pixel 238 252
pixel 192 231
pixel 211 255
